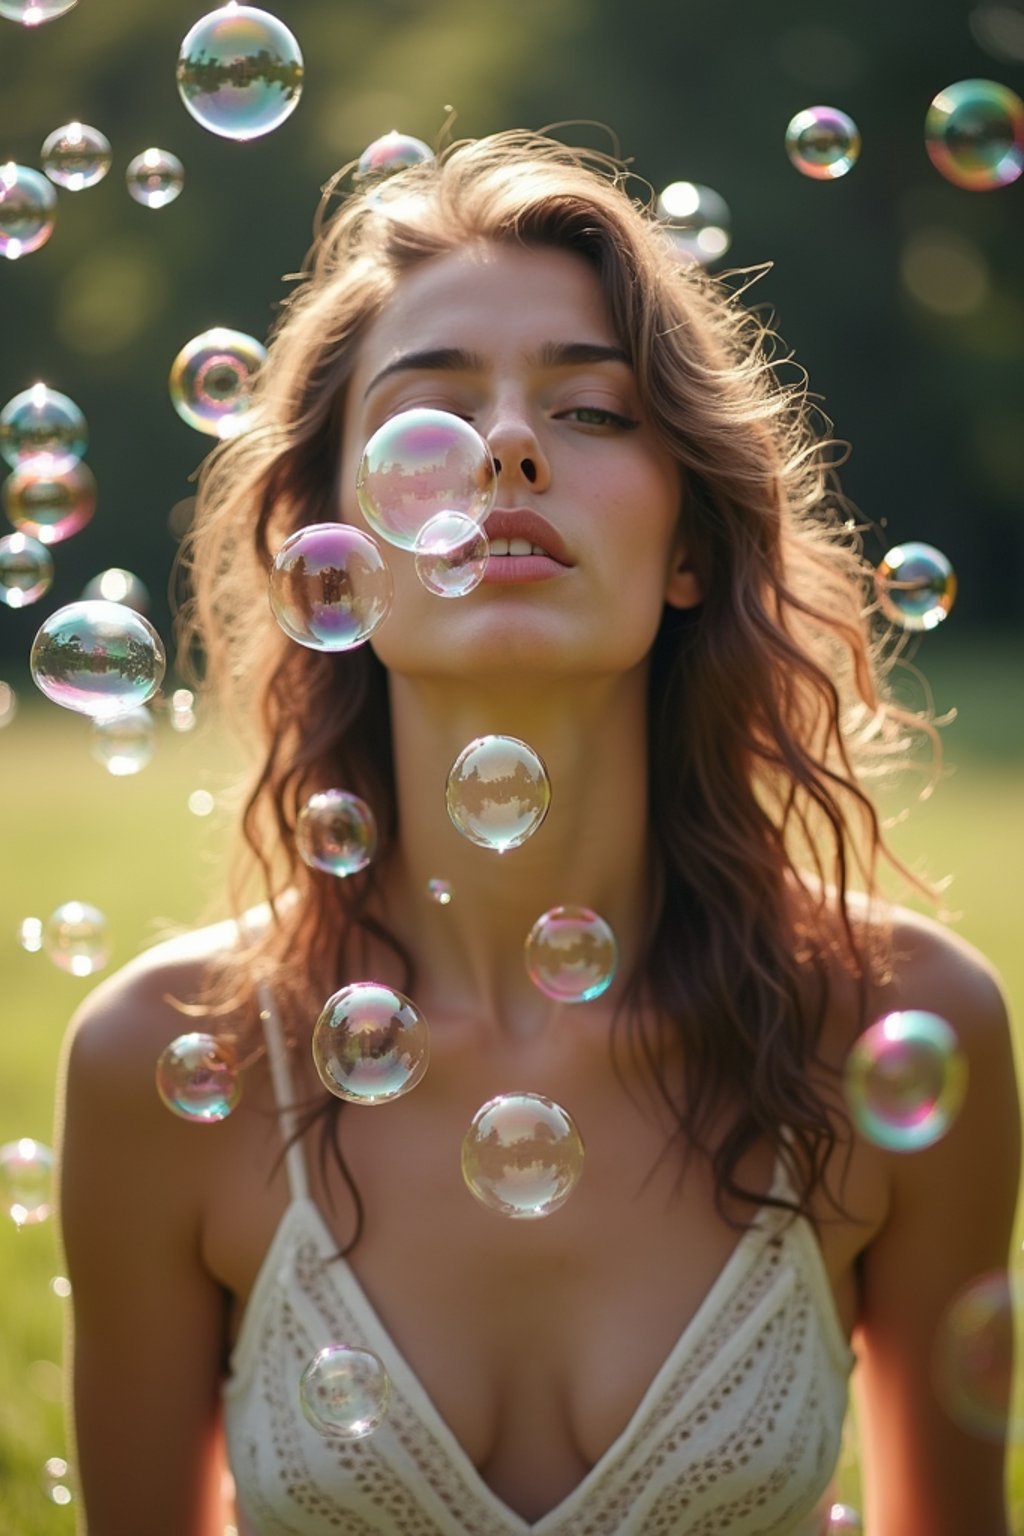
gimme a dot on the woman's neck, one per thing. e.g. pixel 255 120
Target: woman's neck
pixel 591 850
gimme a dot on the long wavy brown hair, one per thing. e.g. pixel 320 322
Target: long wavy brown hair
pixel 768 704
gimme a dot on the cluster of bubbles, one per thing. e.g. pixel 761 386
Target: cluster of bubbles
pixel 905 1080
pixel 197 1078
pixel 26 1181
pixel 212 378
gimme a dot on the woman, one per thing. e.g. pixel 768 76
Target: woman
pixel 685 648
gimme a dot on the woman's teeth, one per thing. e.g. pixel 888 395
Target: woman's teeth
pixel 515 547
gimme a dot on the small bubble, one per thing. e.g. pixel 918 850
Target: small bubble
pixel 60 1285
pixel 75 938
pixel 201 802
pixel 371 1044
pixel 974 135
pixel 440 891
pixel 212 377
pixel 571 954
pixel 28 209
pixel 75 156
pixel 498 792
pixel 696 219
pixel 240 72
pixel 418 464
pixel 974 1356
pixel 26 1181
pixel 916 586
pixel 905 1080
pixel 155 178
pixel 336 832
pixel 57 1480
pixel 26 570
pixel 8 704
pixel 392 152
pixel 125 744
pixel 30 934
pixel 330 587
pixel 345 1392
pixel 50 506
pixel 43 429
pixel 116 585
pixel 522 1156
pixel 197 1078
pixel 823 143
pixel 843 1521
pixel 451 554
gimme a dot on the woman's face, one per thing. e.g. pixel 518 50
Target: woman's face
pixel 519 342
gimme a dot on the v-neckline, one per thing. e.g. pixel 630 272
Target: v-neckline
pixel 408 1381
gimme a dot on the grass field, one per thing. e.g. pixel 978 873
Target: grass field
pixel 133 848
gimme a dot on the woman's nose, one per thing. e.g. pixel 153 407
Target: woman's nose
pixel 517 454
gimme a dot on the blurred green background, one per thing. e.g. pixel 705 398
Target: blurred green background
pixel 902 295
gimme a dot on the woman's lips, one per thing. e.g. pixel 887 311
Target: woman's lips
pixel 519 568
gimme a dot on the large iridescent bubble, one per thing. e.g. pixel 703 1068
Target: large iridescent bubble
pixel 26 570
pixel 522 1156
pixel 75 156
pixel 823 143
pixel 28 210
pixel 371 1044
pixel 240 72
pixel 97 658
pixel 330 587
pixel 344 1392
pixel 498 792
pixel 50 505
pixel 155 177
pixel 212 377
pixel 419 463
pixel 916 586
pixel 197 1078
pixel 905 1080
pixel 43 430
pixel 974 134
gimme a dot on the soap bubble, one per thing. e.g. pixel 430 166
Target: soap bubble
pixel 823 143
pixel 155 178
pixel 974 134
pixel 916 586
pixel 392 152
pixel 75 938
pixel 697 220
pixel 451 554
pixel 330 587
pixel 26 1179
pixel 26 570
pixel 124 745
pixel 440 892
pixel 42 430
pixel 116 585
pixel 843 1520
pixel 75 156
pixel 8 704
pixel 100 659
pixel 183 710
pixel 201 803
pixel 60 1285
pixel 419 463
pixel 30 934
pixel 28 210
pixel 371 1043
pixel 497 792
pixel 50 506
pixel 905 1080
pixel 240 72
pixel 571 954
pixel 31 13
pixel 57 1480
pixel 975 1346
pixel 522 1155
pixel 197 1078
pixel 345 1392
pixel 211 380
pixel 336 832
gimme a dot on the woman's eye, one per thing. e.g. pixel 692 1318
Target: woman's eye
pixel 598 416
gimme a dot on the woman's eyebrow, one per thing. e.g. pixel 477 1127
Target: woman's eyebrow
pixel 553 354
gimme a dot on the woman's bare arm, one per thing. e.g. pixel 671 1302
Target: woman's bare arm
pixel 148 1331
pixel 950 1219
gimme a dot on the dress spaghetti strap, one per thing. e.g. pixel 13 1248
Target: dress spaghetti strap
pixel 277 1055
